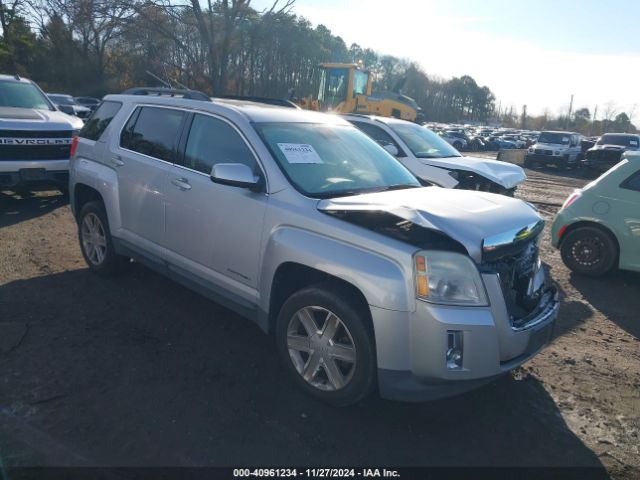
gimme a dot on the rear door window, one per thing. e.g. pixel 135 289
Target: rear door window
pixel 100 120
pixel 153 131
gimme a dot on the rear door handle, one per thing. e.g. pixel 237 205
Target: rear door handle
pixel 117 161
pixel 181 183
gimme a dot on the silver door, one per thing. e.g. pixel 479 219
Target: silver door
pixel 143 159
pixel 214 231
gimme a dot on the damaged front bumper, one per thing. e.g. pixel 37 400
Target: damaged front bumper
pixel 490 345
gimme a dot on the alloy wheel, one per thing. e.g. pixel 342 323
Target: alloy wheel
pixel 94 239
pixel 321 348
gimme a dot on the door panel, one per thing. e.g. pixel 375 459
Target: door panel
pixel 143 163
pixel 211 226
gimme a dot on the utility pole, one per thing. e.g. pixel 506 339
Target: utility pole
pixel 570 110
pixel 593 120
pixel 524 118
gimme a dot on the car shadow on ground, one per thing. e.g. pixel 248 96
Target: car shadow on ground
pixel 137 370
pixel 573 313
pixel 16 207
pixel 619 302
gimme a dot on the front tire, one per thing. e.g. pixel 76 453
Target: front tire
pixel 96 243
pixel 326 345
pixel 589 251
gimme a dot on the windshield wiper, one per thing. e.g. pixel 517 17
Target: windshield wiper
pixel 362 191
pixel 398 186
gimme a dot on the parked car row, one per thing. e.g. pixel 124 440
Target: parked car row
pixel 367 272
pixel 472 138
pixel 79 106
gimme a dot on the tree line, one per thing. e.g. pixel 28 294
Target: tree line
pixel 222 47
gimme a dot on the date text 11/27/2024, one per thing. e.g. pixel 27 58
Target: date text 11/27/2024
pixel 315 472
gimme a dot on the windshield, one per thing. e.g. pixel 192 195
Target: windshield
pixel 323 160
pixel 557 138
pixel 622 140
pixel 333 87
pixel 22 95
pixel 62 100
pixel 422 142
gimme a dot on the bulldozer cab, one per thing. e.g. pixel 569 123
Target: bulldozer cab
pixel 340 85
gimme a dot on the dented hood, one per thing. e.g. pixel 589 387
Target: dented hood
pixel 469 217
pixel 504 174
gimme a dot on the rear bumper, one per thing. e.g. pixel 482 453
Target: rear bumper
pixel 14 173
pixel 491 346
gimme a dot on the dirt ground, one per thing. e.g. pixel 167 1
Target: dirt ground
pixel 139 371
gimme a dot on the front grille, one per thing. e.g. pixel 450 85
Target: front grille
pixel 35 134
pixel 516 272
pixel 35 152
pixel 541 151
pixel 608 156
pixel 39 152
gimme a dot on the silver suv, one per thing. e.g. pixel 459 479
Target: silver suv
pixel 302 223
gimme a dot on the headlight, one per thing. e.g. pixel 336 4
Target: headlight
pixel 531 150
pixel 556 153
pixel 448 278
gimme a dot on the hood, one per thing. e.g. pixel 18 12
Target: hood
pixel 504 174
pixel 12 118
pixel 551 146
pixel 468 217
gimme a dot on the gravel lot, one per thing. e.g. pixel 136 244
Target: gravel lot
pixel 139 371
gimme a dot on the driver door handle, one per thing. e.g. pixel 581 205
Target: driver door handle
pixel 117 161
pixel 181 183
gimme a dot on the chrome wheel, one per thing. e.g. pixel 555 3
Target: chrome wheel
pixel 94 239
pixel 321 348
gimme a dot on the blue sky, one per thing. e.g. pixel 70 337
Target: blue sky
pixel 537 53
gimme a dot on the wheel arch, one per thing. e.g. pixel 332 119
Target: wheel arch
pixel 593 224
pixel 291 277
pixel 83 194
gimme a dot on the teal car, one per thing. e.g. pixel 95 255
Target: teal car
pixel 598 227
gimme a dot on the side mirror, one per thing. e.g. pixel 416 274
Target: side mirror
pixel 68 109
pixel 235 175
pixel 392 149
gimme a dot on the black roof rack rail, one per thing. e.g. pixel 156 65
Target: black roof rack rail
pixel 279 102
pixel 172 92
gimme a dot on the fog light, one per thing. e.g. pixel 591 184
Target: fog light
pixel 454 350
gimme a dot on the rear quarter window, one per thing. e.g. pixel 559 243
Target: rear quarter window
pixel 633 182
pixel 100 120
pixel 153 131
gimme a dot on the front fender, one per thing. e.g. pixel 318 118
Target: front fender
pixel 383 281
pixel 104 180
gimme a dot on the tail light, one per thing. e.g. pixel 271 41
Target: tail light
pixel 572 198
pixel 74 145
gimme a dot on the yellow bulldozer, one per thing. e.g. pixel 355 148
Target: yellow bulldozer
pixel 346 88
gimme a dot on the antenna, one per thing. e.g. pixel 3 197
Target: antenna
pixel 166 84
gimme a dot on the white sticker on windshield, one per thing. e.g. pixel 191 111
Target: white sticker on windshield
pixel 299 153
pixel 633 142
pixel 565 139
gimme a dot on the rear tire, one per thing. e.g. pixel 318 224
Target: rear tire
pixel 589 251
pixel 326 345
pixel 96 243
